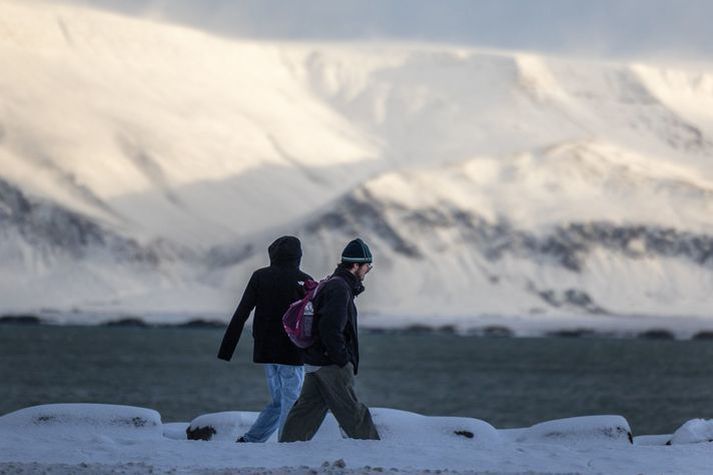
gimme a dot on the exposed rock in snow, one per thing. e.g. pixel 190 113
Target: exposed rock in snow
pixel 49 229
pixel 220 426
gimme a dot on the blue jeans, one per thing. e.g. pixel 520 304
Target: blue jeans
pixel 285 384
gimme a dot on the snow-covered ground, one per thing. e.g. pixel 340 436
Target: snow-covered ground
pixel 95 438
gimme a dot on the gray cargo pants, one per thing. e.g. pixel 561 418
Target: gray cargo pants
pixel 330 388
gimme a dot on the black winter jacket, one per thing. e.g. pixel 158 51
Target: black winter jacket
pixel 270 292
pixel 335 322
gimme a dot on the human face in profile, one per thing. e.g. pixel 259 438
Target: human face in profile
pixel 362 270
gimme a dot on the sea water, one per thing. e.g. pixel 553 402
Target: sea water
pixel 508 382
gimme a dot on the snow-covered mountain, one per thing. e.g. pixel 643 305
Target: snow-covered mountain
pixel 145 167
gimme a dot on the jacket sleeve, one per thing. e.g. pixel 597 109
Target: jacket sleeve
pixel 235 327
pixel 332 321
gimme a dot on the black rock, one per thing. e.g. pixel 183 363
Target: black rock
pixel 200 433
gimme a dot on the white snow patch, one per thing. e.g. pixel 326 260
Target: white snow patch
pixel 577 430
pixel 86 420
pixel 694 432
pixel 53 438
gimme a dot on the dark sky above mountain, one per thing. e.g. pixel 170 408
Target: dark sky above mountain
pixel 668 29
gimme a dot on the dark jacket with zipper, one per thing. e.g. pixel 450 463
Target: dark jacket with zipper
pixel 335 322
pixel 270 292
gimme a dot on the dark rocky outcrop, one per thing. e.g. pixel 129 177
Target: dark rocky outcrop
pixel 21 320
pixel 569 298
pixel 361 211
pixel 496 331
pixel 573 333
pixel 202 323
pixel 657 334
pixel 49 228
pixel 567 245
pixel 133 322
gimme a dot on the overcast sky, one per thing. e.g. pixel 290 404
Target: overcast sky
pixel 638 29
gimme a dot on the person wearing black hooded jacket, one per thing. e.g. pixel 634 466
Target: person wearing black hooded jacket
pixel 270 292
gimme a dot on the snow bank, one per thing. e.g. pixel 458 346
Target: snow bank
pixel 693 432
pixel 392 424
pixel 86 419
pixel 643 440
pixel 576 431
pixel 53 439
pixel 410 427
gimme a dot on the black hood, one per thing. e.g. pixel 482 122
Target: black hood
pixel 286 251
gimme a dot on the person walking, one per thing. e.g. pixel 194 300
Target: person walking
pixel 270 292
pixel 333 360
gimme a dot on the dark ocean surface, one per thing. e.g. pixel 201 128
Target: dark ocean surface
pixel 509 382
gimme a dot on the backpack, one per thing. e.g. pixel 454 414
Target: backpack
pixel 299 317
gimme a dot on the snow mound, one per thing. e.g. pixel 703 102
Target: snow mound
pixel 86 419
pixel 577 430
pixel 694 431
pixel 410 427
pixel 392 424
pixel 175 430
pixel 661 439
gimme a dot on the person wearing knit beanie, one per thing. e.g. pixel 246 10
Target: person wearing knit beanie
pixel 332 362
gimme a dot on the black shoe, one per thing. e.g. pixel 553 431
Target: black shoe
pixel 241 439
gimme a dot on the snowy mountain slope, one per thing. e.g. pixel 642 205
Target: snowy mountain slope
pixel 576 228
pixel 427 102
pixel 488 182
pixel 52 256
pixel 99 109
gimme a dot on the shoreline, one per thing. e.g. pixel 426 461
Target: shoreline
pixel 645 332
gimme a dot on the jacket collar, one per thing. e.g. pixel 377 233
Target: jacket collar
pixel 351 280
pixel 293 264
